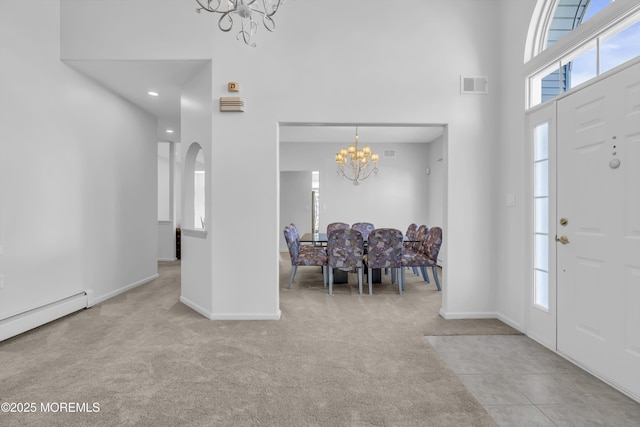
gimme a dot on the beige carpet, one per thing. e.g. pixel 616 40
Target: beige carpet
pixel 146 359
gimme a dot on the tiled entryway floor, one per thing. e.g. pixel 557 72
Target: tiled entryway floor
pixel 521 383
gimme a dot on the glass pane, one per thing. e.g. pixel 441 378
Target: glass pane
pixel 540 86
pixel 569 14
pixel 541 256
pixel 620 48
pixel 541 179
pixel 550 86
pixel 542 215
pixel 541 291
pixel 594 7
pixel 541 142
pixel 582 68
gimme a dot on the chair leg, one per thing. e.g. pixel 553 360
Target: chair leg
pixel 434 270
pixel 402 278
pixel 370 281
pixel 330 281
pixel 400 274
pixel 360 274
pixel 393 276
pixel 294 268
pixel 424 274
pixel 415 271
pixel 325 277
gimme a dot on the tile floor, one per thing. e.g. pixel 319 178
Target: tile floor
pixel 521 383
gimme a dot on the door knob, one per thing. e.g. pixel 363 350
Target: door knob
pixel 562 239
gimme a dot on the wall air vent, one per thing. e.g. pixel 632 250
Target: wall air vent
pixel 388 153
pixel 232 103
pixel 470 84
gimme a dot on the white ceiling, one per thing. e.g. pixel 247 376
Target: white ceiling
pixel 133 79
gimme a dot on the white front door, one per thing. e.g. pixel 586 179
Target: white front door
pixel 598 261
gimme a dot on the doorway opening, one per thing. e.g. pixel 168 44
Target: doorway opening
pixel 411 186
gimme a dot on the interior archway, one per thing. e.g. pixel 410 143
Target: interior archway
pixel 194 188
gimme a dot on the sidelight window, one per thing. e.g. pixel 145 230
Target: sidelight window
pixel 541 215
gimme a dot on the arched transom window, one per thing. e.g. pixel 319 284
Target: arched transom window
pixel 574 41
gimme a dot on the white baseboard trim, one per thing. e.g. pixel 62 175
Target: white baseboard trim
pixel 482 315
pixel 515 325
pixel 28 320
pixel 543 342
pixel 122 289
pixel 196 307
pixel 229 316
pixel 468 315
pixel 247 316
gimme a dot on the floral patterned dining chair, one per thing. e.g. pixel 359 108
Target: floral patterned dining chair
pixel 364 228
pixel 385 248
pixel 417 246
pixel 336 226
pixel 412 229
pixel 304 255
pixel 427 256
pixel 410 235
pixel 345 249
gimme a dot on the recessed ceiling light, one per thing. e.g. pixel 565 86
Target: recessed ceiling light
pixel 152 93
pixel 169 131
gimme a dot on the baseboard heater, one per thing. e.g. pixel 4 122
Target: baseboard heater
pixel 19 323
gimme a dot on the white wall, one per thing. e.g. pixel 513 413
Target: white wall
pixel 509 221
pixel 77 185
pixel 395 198
pixel 387 68
pixel 437 190
pixel 196 248
pixel 361 65
pixel 295 202
pixel 139 29
pixel 168 200
pixel 177 184
pixel 165 207
pixel 435 182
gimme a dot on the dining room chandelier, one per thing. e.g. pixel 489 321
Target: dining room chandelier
pixel 247 11
pixel 357 165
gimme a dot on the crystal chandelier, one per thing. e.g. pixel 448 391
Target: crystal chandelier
pixel 246 11
pixel 357 165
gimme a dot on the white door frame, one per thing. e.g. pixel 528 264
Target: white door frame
pixel 541 324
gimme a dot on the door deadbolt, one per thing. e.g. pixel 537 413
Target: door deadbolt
pixel 564 221
pixel 562 239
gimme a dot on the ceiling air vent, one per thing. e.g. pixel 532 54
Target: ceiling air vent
pixel 474 84
pixel 388 153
